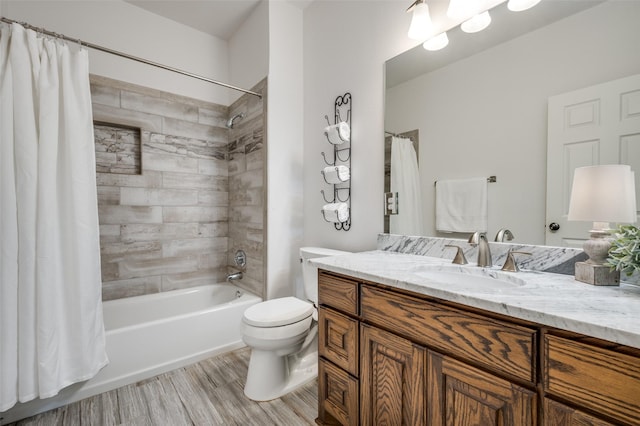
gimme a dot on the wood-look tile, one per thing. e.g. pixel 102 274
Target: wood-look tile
pixel 200 409
pixel 163 402
pixel 131 405
pixel 206 393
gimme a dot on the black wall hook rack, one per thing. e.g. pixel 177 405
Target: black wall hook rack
pixel 341 156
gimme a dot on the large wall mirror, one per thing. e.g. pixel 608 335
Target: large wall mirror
pixel 480 105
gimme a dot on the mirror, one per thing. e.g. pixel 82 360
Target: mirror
pixel 480 104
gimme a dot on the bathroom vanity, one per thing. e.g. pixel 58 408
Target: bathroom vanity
pixel 399 346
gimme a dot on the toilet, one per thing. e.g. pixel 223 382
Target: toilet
pixel 283 336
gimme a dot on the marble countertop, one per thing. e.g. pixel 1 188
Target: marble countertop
pixel 555 300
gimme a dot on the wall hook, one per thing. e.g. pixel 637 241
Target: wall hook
pixel 325 160
pixel 325 198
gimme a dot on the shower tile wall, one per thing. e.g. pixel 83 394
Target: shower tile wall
pixel 164 210
pixel 247 194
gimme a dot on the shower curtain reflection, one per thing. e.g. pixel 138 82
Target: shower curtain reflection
pixel 51 326
pixel 405 180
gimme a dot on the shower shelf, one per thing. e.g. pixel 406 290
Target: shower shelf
pixel 341 192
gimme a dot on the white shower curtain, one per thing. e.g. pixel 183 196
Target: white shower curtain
pixel 51 327
pixel 405 180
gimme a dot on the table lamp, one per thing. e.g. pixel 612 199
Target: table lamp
pixel 601 194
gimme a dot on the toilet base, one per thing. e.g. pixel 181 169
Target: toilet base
pixel 271 376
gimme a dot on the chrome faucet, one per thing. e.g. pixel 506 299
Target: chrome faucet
pixel 484 252
pixel 234 276
pixel 502 234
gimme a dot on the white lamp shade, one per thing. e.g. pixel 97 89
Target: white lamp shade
pixel 436 43
pixel 520 5
pixel 421 26
pixel 604 193
pixel 477 23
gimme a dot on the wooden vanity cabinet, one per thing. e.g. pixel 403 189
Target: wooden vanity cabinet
pixel 389 357
pixel 338 340
pixel 557 414
pixel 392 380
pixel 592 377
pixel 461 395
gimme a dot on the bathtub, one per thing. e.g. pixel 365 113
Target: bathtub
pixel 152 334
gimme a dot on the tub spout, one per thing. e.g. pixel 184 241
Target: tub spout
pixel 234 276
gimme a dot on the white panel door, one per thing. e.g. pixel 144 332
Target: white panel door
pixel 596 125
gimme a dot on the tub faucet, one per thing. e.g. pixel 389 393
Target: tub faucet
pixel 502 234
pixel 484 252
pixel 235 276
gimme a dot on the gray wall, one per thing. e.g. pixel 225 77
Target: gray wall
pixel 247 195
pixel 163 209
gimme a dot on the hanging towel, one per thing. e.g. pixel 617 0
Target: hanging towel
pixel 336 212
pixel 461 205
pixel 338 133
pixel 405 180
pixel 336 174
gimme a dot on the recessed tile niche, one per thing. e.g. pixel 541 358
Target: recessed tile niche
pixel 117 148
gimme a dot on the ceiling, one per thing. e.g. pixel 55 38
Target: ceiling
pixel 219 18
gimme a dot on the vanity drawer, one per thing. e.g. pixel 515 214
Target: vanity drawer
pixel 338 339
pixel 597 378
pixel 498 345
pixel 337 292
pixel 338 394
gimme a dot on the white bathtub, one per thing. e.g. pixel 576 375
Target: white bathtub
pixel 152 334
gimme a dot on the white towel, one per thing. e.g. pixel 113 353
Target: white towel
pixel 336 212
pixel 461 205
pixel 338 133
pixel 336 174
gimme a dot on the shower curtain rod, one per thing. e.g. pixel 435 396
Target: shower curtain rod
pixel 127 56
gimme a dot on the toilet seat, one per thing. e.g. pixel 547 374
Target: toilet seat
pixel 278 312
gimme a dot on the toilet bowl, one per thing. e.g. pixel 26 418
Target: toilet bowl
pixel 283 336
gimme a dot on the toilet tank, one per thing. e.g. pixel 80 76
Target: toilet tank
pixel 310 272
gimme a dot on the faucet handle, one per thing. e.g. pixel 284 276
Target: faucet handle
pixel 459 258
pixel 510 265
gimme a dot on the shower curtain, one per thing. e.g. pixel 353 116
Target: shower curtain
pixel 51 327
pixel 405 180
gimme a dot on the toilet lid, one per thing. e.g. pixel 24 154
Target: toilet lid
pixel 277 312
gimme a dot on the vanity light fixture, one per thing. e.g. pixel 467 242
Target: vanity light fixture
pixel 601 194
pixel 520 5
pixel 421 25
pixel 477 23
pixel 436 43
pixel 474 15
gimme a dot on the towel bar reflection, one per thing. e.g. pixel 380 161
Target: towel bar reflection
pixel 490 179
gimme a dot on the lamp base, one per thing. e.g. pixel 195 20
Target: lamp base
pixel 596 274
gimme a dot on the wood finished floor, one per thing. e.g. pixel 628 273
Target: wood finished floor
pixel 207 393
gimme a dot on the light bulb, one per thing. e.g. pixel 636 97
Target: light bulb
pixel 436 43
pixel 520 5
pixel 421 25
pixel 477 23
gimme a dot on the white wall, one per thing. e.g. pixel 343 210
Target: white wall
pixel 249 51
pixel 284 148
pixel 345 46
pixel 487 114
pixel 124 27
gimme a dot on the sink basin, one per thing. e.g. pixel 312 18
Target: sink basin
pixel 469 278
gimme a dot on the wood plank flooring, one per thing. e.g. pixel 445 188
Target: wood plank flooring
pixel 207 393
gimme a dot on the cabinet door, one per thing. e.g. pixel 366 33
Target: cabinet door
pixel 337 395
pixel 392 382
pixel 556 414
pixel 461 395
